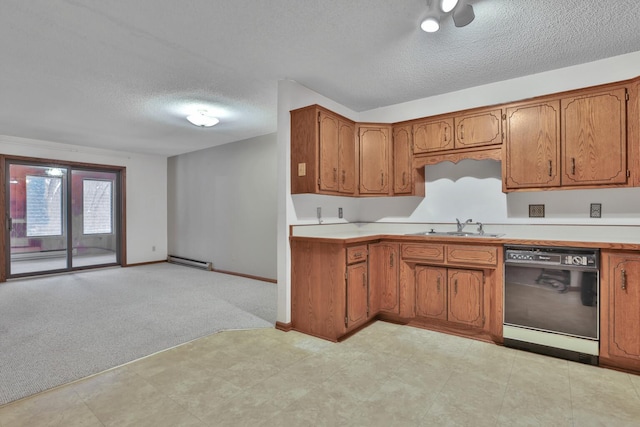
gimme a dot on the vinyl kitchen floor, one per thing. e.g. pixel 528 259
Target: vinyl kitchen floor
pixel 386 375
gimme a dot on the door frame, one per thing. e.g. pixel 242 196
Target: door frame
pixel 121 170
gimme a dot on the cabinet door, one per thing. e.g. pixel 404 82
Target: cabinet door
pixel 532 148
pixel 435 135
pixel 374 160
pixel 402 161
pixel 623 282
pixel 431 292
pixel 329 152
pixel 384 277
pixel 347 158
pixel 466 297
pixel 357 294
pixel 476 129
pixel 594 138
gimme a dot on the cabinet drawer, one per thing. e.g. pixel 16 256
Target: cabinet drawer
pixel 356 254
pixel 480 255
pixel 424 252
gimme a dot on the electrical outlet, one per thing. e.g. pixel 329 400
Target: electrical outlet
pixel 536 211
pixel 595 210
pixel 339 212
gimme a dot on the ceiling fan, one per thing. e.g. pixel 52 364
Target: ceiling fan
pixel 461 12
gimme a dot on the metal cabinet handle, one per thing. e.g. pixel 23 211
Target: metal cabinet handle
pixel 391 260
pixel 550 167
pixel 573 166
pixel 446 132
pixel 9 223
pixel 623 281
pixel 335 175
pixel 461 131
pixel 404 179
pixel 455 286
pixel 343 176
pixel 438 284
pixel 364 280
pixel 382 178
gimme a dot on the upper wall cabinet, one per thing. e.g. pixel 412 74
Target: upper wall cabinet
pixel 403 183
pixel 532 148
pixel 375 154
pixel 433 135
pixel 323 152
pixel 567 142
pixel 452 132
pixel 594 138
pixel 478 128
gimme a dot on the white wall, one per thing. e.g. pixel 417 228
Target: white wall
pixel 222 206
pixel 146 187
pixel 469 189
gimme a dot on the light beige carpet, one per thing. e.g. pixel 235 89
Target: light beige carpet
pixel 57 329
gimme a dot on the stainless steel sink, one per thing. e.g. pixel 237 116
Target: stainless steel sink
pixel 456 234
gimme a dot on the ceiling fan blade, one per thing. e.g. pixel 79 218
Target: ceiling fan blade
pixel 463 15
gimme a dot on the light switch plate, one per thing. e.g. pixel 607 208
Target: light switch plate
pixel 302 169
pixel 595 210
pixel 536 211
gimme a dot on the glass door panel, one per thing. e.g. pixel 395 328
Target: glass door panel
pixel 37 220
pixel 93 218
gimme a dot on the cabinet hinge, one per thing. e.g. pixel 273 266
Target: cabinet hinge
pixel 483 320
pixel 504 117
pixel 628 173
pixel 346 321
pixel 626 96
pixel 484 280
pixel 318 116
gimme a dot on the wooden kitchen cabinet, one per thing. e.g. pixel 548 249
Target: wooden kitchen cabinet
pixel 567 142
pixel 466 297
pixel 478 128
pixel 431 292
pixel 357 295
pixel 620 310
pixel 375 154
pixel 329 288
pixel 403 175
pixel 384 277
pixel 323 152
pixel 467 130
pixel 433 135
pixel 451 294
pixel 532 146
pixel 594 139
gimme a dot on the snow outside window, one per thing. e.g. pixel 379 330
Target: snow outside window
pixel 97 206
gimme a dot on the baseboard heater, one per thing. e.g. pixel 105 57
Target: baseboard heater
pixel 204 265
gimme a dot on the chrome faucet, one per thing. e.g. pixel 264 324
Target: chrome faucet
pixel 461 226
pixel 480 229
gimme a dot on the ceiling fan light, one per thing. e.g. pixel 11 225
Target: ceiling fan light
pixel 430 24
pixel 202 118
pixel 448 5
pixel 463 15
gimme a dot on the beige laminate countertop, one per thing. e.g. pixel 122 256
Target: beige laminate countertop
pixel 596 236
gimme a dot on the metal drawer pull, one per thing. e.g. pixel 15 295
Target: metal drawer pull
pixel 438 282
pixel 573 166
pixel 455 286
pixel 550 167
pixel 391 260
pixel 335 175
pixel 623 281
pixel 461 131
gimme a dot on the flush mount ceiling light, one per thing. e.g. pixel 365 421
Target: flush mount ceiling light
pixel 203 118
pixel 461 12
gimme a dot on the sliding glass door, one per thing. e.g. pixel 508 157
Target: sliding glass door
pixel 61 218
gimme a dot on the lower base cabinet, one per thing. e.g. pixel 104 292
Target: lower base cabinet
pixel 620 310
pixel 451 294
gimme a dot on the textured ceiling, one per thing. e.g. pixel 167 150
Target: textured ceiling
pixel 116 74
